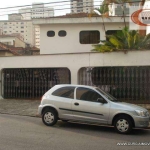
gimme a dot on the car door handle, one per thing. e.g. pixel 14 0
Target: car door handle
pixel 76 104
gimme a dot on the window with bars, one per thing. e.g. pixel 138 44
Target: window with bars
pixel 126 83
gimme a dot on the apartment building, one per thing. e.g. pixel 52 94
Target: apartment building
pixel 122 9
pixel 37 36
pixel 81 6
pixel 38 10
pixel 24 28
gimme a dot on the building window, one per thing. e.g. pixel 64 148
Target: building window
pixel 89 37
pixel 111 32
pixel 22 31
pixel 50 33
pixel 62 33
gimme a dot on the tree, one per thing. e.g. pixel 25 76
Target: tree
pixel 124 40
pixel 104 7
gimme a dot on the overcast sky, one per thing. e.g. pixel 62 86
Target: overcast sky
pixel 11 3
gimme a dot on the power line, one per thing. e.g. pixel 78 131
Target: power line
pixel 35 4
pixel 62 5
pixel 50 11
pixel 69 8
pixel 49 6
pixel 58 2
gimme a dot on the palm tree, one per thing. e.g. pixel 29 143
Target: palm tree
pixel 124 40
pixel 103 10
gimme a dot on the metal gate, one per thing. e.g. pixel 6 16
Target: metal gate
pixel 125 83
pixel 32 83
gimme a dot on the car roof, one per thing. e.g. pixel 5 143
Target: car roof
pixel 73 85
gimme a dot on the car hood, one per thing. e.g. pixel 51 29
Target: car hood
pixel 125 106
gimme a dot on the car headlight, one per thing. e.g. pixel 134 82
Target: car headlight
pixel 142 113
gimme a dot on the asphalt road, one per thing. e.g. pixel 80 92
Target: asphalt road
pixel 29 133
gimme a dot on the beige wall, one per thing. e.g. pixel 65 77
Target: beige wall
pixel 10 41
pixel 6 54
pixel 19 43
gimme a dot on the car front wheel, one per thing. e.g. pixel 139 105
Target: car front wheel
pixel 123 125
pixel 49 117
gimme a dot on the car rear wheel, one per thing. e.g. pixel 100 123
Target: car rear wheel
pixel 49 117
pixel 123 125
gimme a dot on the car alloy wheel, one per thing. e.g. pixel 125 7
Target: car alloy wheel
pixel 123 125
pixel 49 117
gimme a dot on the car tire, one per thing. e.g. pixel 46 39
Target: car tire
pixel 49 117
pixel 123 125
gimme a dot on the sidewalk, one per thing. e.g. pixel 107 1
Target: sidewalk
pixel 19 107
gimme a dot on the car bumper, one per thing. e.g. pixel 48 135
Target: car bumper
pixel 142 122
pixel 40 110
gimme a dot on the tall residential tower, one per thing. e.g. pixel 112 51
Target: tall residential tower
pixel 78 6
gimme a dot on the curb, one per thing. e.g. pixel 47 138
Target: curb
pixel 37 116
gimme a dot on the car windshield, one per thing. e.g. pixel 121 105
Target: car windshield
pixel 107 95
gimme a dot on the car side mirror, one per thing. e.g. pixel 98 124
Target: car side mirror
pixel 102 100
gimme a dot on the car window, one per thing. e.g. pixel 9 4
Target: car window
pixel 87 94
pixel 67 92
pixel 107 95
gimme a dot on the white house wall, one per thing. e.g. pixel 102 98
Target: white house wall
pixel 76 61
pixel 71 42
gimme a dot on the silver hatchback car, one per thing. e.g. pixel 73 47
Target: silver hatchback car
pixel 88 104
